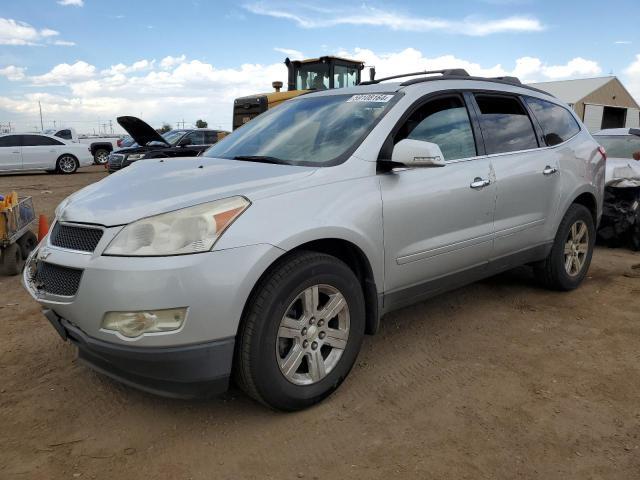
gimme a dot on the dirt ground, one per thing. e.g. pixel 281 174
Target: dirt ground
pixel 500 379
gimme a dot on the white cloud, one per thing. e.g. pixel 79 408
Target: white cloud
pixel 72 3
pixel 182 87
pixel 169 61
pixel 289 52
pixel 64 43
pixel 632 78
pixel 622 42
pixel 306 16
pixel 14 32
pixel 578 67
pixel 64 74
pixel 13 73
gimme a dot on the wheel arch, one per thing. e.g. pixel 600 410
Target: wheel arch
pixel 588 200
pixel 349 253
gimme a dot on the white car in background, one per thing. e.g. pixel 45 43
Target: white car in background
pixel 36 151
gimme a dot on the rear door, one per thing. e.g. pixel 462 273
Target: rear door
pixel 39 152
pixel 10 154
pixel 527 176
pixel 437 221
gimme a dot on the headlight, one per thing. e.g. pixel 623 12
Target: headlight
pixel 134 324
pixel 189 230
pixel 135 156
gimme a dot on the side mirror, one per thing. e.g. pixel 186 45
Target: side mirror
pixel 184 142
pixel 416 153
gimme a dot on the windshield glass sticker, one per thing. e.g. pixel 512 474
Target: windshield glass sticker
pixel 371 97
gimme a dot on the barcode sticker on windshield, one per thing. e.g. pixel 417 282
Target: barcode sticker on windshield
pixel 371 97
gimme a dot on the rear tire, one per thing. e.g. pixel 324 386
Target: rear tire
pixel 301 332
pixel 27 243
pixel 11 262
pixel 101 156
pixel 67 164
pixel 568 262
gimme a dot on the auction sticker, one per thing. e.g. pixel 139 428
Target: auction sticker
pixel 371 97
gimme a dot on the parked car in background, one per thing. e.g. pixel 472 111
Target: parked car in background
pixel 621 216
pixel 271 255
pixel 35 151
pixel 99 146
pixel 188 142
pixel 126 141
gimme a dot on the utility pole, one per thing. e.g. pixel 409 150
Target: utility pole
pixel 111 126
pixel 41 124
pixel 54 125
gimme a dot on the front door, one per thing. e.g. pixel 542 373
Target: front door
pixel 10 156
pixel 437 221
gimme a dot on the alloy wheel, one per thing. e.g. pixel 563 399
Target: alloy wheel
pixel 313 334
pixel 67 164
pixel 576 248
pixel 102 156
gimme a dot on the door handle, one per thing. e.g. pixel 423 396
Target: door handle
pixel 549 170
pixel 16 152
pixel 479 183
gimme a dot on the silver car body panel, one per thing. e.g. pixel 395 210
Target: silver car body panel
pixel 414 226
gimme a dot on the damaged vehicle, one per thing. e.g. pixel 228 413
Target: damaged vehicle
pixel 620 226
pixel 147 143
pixel 268 258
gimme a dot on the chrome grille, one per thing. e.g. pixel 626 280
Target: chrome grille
pixel 57 280
pixel 115 162
pixel 74 237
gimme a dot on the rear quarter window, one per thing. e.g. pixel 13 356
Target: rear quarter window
pixel 558 125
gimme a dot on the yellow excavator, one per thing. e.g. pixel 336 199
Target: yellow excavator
pixel 304 76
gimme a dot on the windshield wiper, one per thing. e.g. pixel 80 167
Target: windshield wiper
pixel 262 159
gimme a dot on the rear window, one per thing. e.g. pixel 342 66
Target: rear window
pixel 557 124
pixel 619 146
pixel 505 124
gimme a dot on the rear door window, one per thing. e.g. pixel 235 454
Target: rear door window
pixel 558 125
pixel 445 122
pixel 505 124
pixel 210 137
pixel 38 140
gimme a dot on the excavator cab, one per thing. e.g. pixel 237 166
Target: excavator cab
pixel 303 76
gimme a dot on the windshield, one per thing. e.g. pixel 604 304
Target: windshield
pixel 619 146
pixel 173 136
pixel 313 131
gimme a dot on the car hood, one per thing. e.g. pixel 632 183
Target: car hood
pixel 622 172
pixel 157 186
pixel 140 131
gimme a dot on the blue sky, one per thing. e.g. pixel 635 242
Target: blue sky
pixel 92 60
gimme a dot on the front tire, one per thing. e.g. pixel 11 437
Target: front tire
pixel 301 332
pixel 568 262
pixel 67 164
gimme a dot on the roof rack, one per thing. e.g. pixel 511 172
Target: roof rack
pixel 457 72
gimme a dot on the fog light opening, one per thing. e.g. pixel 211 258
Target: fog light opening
pixel 135 324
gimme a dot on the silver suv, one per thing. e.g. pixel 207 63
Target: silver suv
pixel 270 257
